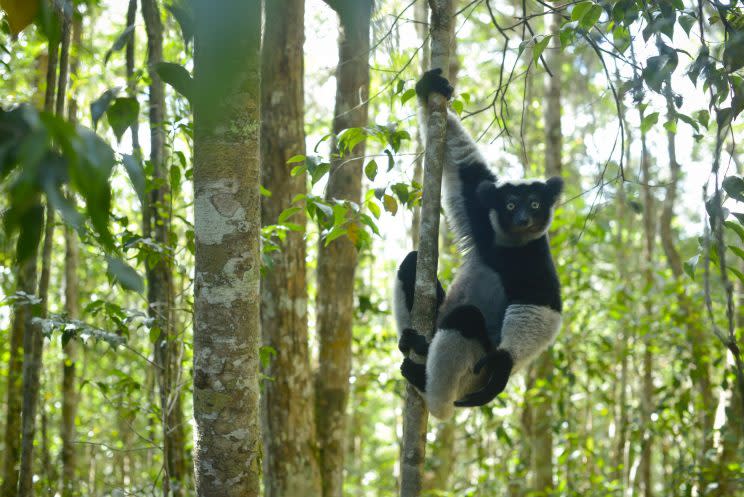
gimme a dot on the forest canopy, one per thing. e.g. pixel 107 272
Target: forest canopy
pixel 204 206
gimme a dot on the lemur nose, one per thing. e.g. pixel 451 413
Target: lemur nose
pixel 522 220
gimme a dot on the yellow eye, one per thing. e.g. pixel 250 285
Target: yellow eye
pixel 535 205
pixel 510 206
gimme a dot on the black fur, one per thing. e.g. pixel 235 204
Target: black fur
pixel 414 373
pixel 407 276
pixel 469 321
pixel 433 81
pixel 499 363
pixel 413 340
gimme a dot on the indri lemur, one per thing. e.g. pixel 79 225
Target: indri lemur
pixel 504 306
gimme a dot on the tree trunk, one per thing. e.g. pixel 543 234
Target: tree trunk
pixel 227 221
pixel 696 334
pixel 648 364
pixel 33 339
pixel 337 261
pixel 290 452
pixel 159 273
pixel 542 405
pixel 26 282
pixel 131 82
pixel 423 313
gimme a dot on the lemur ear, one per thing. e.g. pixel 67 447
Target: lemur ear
pixel 486 193
pixel 553 188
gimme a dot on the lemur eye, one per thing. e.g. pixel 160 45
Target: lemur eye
pixel 510 206
pixel 535 204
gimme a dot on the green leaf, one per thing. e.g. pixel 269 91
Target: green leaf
pixel 264 192
pixel 99 106
pixel 177 77
pixel 154 334
pixel 734 187
pixel 319 171
pixel 539 48
pixel 296 158
pixel 590 18
pixel 370 170
pixel 136 175
pixel 125 275
pixel 390 204
pixel 736 228
pixel 580 10
pixel 119 43
pixel 122 114
pixel 457 106
pixel 649 121
pixel 407 95
pixel 690 265
pixel 184 16
pixel 658 69
pixel 733 52
pixel 287 213
pixel 336 232
pixel 687 21
pixel 374 208
pixel 671 126
pixel 297 170
pixel 738 251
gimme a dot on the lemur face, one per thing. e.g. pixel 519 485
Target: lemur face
pixel 520 212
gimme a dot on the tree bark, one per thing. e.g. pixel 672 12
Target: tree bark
pixel 157 223
pixel 423 313
pixel 288 422
pixel 26 282
pixel 542 405
pixel 131 83
pixel 33 339
pixel 227 221
pixel 696 335
pixel 648 363
pixel 337 261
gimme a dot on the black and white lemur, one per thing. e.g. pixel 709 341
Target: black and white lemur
pixel 504 305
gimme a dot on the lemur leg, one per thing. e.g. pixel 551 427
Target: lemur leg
pixel 461 340
pixel 527 331
pixel 408 338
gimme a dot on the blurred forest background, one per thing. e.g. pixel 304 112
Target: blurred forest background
pixel 123 372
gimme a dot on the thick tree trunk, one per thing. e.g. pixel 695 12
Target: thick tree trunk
pixel 423 313
pixel 290 452
pixel 337 261
pixel 227 222
pixel 159 273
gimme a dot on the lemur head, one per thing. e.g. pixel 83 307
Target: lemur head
pixel 520 211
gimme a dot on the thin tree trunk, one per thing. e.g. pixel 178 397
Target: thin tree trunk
pixel 33 340
pixel 420 13
pixel 131 82
pixel 290 452
pixel 227 221
pixel 423 313
pixel 696 335
pixel 648 276
pixel 157 225
pixel 26 282
pixel 337 261
pixel 69 390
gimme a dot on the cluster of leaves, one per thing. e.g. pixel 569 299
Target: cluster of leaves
pixel 60 162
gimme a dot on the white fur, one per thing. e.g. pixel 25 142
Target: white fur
pixel 527 331
pixel 449 371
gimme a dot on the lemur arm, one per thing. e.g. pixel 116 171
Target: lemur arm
pixel 464 167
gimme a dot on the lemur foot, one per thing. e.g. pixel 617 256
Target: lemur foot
pixel 411 339
pixel 433 81
pixel 498 364
pixel 414 373
pixel 407 277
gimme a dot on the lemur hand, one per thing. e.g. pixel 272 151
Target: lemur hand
pixel 411 339
pixel 499 365
pixel 433 81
